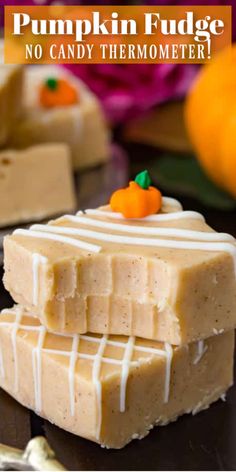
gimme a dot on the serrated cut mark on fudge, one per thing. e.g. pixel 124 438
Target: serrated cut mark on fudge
pixel 128 347
pixel 111 315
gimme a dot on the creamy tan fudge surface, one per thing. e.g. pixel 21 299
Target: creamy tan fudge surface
pixel 11 88
pixel 81 126
pixel 11 92
pixel 167 277
pixel 105 388
pixel 35 183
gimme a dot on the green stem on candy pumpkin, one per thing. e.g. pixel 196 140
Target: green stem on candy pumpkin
pixel 143 179
pixel 52 83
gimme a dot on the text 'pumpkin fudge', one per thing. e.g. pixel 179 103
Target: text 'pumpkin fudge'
pixel 167 276
pixel 109 389
pixel 35 183
pixel 58 107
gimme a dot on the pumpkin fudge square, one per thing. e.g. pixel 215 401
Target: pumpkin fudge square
pixel 167 276
pixel 59 108
pixel 109 389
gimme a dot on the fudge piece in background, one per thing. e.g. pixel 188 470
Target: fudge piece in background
pixel 78 122
pixel 35 183
pixel 11 96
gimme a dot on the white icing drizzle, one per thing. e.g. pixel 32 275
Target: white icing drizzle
pixel 218 331
pixel 61 239
pixel 149 230
pixel 169 355
pixel 73 360
pixel 223 397
pixel 169 201
pixel 150 350
pixel 37 260
pixel 125 371
pixel 89 357
pixel 201 349
pixel 97 382
pixel 97 359
pixel 227 247
pixel 37 369
pixel 177 215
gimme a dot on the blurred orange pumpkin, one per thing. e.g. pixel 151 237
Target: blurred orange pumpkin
pixel 57 92
pixel 210 114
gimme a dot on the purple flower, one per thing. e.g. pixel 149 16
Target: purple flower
pixel 128 90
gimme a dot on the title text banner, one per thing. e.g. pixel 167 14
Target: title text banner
pixel 115 34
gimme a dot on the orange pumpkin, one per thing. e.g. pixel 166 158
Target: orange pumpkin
pixel 210 114
pixel 138 200
pixel 57 93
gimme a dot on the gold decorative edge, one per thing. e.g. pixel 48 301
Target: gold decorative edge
pixel 37 455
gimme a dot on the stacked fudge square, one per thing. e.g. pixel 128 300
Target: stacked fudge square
pixel 120 324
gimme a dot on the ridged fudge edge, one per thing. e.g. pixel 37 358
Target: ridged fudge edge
pixel 194 303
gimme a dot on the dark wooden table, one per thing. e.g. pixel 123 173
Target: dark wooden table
pixel 206 441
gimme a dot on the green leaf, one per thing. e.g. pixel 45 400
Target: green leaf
pixel 185 176
pixel 52 83
pixel 143 179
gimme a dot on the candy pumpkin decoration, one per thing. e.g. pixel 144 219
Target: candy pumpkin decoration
pixel 211 119
pixel 138 200
pixel 57 92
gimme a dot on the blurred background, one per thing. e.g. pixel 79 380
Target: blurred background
pixel 178 121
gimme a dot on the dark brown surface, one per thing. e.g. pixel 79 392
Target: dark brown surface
pixel 203 442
